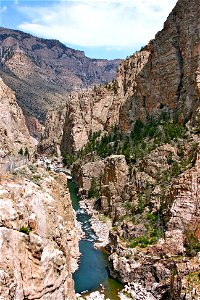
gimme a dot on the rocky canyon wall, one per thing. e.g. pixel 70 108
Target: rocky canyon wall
pixel 14 132
pixel 170 78
pixel 38 238
pixel 153 199
pixel 162 77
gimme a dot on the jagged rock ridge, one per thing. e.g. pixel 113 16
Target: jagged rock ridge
pixel 170 78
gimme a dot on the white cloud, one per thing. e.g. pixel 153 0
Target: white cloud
pixel 111 23
pixel 3 9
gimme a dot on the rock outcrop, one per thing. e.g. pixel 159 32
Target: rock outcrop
pixel 184 201
pixel 170 78
pixel 115 177
pixel 145 202
pixel 35 128
pixel 51 137
pixel 90 111
pixel 38 238
pixel 85 173
pixel 42 71
pixel 13 130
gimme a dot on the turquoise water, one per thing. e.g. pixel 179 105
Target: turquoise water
pixel 93 266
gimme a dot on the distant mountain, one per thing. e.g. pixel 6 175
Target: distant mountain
pixel 43 71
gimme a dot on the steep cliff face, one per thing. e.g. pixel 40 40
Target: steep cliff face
pixel 127 80
pixel 51 137
pixel 42 71
pixel 115 177
pixel 98 109
pixel 88 112
pixel 38 238
pixel 163 269
pixel 85 173
pixel 14 133
pixel 35 128
pixel 184 204
pixel 170 77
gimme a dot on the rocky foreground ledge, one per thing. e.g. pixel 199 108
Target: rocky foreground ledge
pixel 38 238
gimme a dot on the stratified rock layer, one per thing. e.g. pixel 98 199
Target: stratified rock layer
pixel 87 112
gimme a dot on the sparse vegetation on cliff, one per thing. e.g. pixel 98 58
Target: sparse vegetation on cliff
pixel 25 229
pixel 142 140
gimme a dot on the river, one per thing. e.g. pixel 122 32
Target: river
pixel 92 273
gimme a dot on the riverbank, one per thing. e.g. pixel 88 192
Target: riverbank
pixel 99 223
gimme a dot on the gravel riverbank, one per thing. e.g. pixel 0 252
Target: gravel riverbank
pixel 99 223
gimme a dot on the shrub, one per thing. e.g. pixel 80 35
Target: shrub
pixel 25 229
pixel 146 239
pixel 169 159
pixel 152 218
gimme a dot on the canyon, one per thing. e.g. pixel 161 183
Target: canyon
pixel 162 77
pixel 133 146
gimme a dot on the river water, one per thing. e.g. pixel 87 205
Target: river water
pixel 92 273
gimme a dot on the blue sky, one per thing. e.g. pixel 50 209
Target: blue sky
pixel 103 29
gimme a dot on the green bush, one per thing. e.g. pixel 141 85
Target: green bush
pixel 26 152
pixel 25 229
pixel 146 239
pixel 152 218
pixel 68 159
pixel 169 159
pixel 142 241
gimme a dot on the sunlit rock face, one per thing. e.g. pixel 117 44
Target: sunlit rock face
pixel 162 77
pixel 38 238
pixel 169 78
pixel 14 133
